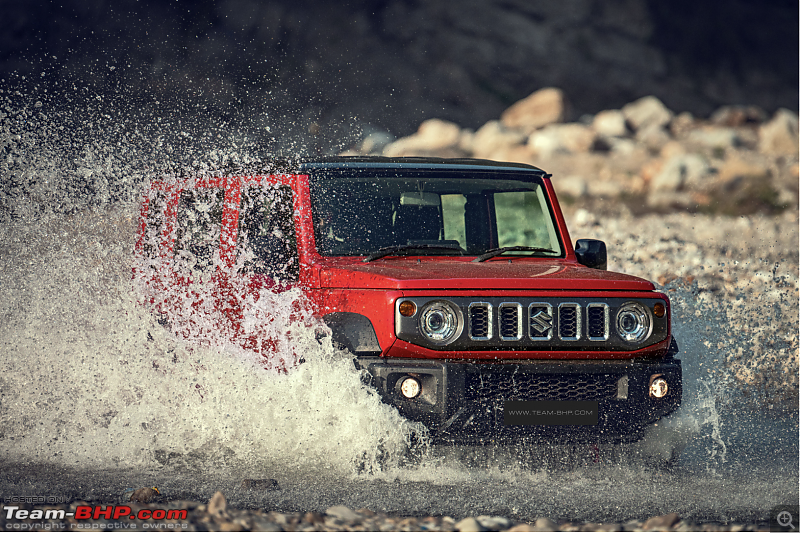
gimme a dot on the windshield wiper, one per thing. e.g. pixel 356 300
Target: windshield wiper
pixel 393 250
pixel 494 252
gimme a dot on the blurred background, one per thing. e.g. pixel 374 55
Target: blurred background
pixel 334 67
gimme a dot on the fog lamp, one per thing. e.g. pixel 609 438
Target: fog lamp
pixel 410 388
pixel 658 388
pixel 407 308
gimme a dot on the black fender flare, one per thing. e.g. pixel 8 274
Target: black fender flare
pixel 353 331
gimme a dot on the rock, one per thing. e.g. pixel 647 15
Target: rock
pixel 260 484
pixel 493 136
pixel 779 136
pixel 662 523
pixel 573 186
pixel 545 524
pixel 610 123
pixel 469 524
pixel 229 526
pixel 262 524
pixel 561 138
pixel 653 136
pixel 145 495
pixel 217 505
pixel 523 527
pixel 343 513
pixel 433 135
pixel 682 125
pixel 714 137
pixel 737 115
pixel 494 523
pixel 736 167
pixel 680 172
pixel 543 107
pixel 375 141
pixel 647 112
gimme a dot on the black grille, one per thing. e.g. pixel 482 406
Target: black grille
pixel 479 321
pixel 509 322
pixel 483 387
pixel 568 318
pixel 596 322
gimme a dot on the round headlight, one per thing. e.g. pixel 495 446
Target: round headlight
pixel 633 322
pixel 440 322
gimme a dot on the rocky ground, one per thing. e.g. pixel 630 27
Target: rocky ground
pixel 216 515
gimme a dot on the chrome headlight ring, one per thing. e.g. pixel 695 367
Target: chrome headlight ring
pixel 634 322
pixel 441 322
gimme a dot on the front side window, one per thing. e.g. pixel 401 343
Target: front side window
pixel 448 214
pixel 199 227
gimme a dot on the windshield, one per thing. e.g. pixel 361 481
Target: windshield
pixel 444 215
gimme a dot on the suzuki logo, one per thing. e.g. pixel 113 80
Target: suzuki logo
pixel 541 321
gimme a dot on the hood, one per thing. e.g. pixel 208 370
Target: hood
pixel 436 273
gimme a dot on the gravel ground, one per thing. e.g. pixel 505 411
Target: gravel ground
pixel 216 515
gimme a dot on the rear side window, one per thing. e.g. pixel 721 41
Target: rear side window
pixel 267 243
pixel 199 227
pixel 154 224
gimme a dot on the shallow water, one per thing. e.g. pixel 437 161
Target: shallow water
pixel 97 397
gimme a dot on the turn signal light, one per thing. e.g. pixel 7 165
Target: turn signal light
pixel 659 310
pixel 407 308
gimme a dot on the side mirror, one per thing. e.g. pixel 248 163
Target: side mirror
pixel 592 253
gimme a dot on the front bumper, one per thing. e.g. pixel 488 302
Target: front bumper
pixel 463 402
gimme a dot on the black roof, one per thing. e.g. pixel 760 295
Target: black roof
pixel 412 163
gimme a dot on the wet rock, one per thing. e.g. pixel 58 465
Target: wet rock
pixel 343 513
pixel 647 112
pixel 661 523
pixel 779 136
pixel 494 523
pixel 545 106
pixel 469 524
pixel 260 484
pixel 217 505
pixel 545 524
pixel 145 495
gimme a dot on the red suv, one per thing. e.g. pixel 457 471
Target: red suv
pixel 453 282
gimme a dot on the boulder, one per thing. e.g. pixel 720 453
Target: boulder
pixel 779 135
pixel 492 137
pixel 646 112
pixel 571 137
pixel 610 123
pixel 434 135
pixel 714 137
pixel 543 107
pixel 737 115
pixel 681 172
